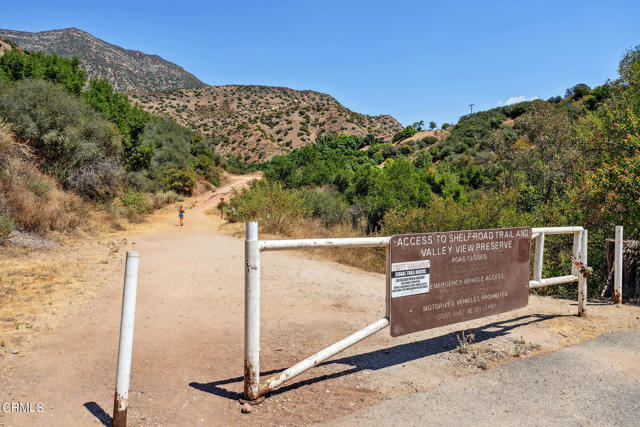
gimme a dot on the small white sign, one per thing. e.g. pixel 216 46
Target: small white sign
pixel 410 278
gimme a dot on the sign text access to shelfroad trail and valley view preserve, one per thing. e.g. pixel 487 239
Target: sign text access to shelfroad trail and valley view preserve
pixel 436 279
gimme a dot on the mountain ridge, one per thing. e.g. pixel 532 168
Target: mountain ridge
pixel 254 122
pixel 127 70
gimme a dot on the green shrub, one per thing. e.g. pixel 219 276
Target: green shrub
pixel 18 65
pixel 446 214
pixel 277 209
pixel 212 174
pixel 405 133
pixel 40 188
pixel 429 140
pixel 140 181
pixel 130 120
pixel 326 206
pixel 6 227
pixel 77 146
pixel 182 181
pixel 165 198
pixel 136 202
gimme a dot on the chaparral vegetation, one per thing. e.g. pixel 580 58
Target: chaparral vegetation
pixel 571 160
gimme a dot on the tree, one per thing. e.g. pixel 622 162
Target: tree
pixel 612 138
pixel 445 126
pixel 18 65
pixel 405 133
pixel 601 92
pixel 418 126
pixel 130 121
pixel 546 152
pixel 629 70
pixel 432 125
pixel 629 67
pixel 578 91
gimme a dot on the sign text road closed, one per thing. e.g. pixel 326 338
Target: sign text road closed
pixel 436 279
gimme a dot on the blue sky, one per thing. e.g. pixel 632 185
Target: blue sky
pixel 415 60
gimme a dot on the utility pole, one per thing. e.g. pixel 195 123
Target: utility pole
pixel 471 107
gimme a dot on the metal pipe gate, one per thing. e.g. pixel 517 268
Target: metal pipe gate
pixel 253 389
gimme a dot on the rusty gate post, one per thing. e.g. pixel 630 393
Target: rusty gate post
pixel 252 313
pixel 582 274
pixel 125 349
pixel 575 252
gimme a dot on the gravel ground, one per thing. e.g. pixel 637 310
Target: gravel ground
pixel 594 383
pixel 27 240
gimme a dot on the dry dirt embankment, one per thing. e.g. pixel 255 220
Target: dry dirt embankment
pixel 188 345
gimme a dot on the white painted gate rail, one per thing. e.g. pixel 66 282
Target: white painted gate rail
pixel 253 389
pixel 579 267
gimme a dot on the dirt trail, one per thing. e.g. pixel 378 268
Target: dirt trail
pixel 188 345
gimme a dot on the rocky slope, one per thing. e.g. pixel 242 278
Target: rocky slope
pixel 127 70
pixel 258 122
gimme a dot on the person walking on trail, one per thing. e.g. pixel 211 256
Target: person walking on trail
pixel 181 215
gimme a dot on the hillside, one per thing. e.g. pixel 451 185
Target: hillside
pixel 258 122
pixel 126 70
pixel 6 45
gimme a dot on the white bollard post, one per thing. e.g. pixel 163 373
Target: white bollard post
pixel 539 257
pixel 252 313
pixel 126 339
pixel 617 266
pixel 582 275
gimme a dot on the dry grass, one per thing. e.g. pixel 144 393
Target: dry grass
pixel 34 202
pixel 9 145
pixel 37 287
pixel 367 259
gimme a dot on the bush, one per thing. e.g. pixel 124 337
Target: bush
pixel 326 206
pixel 140 181
pixel 6 228
pixel 76 144
pixel 405 133
pixel 578 91
pixel 429 140
pixel 172 142
pixel 162 199
pixel 136 204
pixel 40 188
pixel 205 166
pixel 182 181
pixel 100 180
pixel 278 210
pixel 445 214
pixel 136 201
pixel 212 174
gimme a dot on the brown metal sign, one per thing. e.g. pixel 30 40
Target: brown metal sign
pixel 436 279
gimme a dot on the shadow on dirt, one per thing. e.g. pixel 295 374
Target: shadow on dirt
pixel 99 413
pixel 386 357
